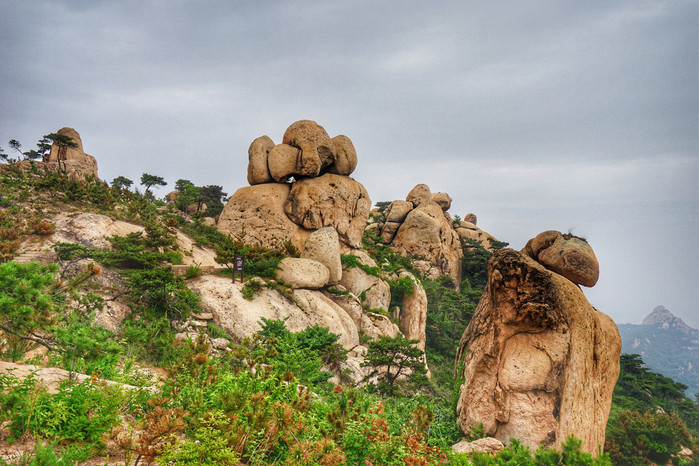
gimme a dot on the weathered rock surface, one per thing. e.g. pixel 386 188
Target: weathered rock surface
pixel 345 156
pixel 72 160
pixel 567 255
pixel 285 161
pixel 540 363
pixel 324 246
pixel 398 210
pixel 372 324
pixel 317 149
pixel 412 315
pixel 468 230
pixel 443 200
pixel 376 293
pixel 255 214
pixel 52 377
pixel 420 194
pixel 90 229
pixel 426 232
pixel 241 317
pixel 330 201
pixel 482 445
pixel 303 273
pixel 258 153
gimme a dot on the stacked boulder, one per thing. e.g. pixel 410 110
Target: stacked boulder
pixel 539 362
pixel 421 226
pixel 296 187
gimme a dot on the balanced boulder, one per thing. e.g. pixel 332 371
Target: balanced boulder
pixel 567 255
pixel 316 146
pixel 330 200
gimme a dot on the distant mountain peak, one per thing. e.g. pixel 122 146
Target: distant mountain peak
pixel 664 318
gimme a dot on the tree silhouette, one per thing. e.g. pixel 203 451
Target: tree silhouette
pixel 151 180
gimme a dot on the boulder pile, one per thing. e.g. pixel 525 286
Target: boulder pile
pixel 539 362
pixel 421 225
pixel 296 187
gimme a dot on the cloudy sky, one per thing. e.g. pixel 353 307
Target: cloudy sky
pixel 535 115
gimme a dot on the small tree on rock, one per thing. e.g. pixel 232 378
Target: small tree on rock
pixel 121 182
pixel 393 359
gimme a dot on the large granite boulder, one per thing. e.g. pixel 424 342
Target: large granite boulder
pixel 330 201
pixel 241 318
pixel 258 153
pixel 285 161
pixel 426 232
pixel 567 255
pixel 255 215
pixel 345 156
pixel 302 273
pixel 324 246
pixel 317 149
pixel 539 362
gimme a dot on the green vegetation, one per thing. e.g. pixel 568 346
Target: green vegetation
pixel 267 399
pixel 650 418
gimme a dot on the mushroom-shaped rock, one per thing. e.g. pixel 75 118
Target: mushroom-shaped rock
pixel 255 215
pixel 259 150
pixel 317 148
pixel 303 273
pixel 539 362
pixel 324 246
pixel 567 255
pixel 345 156
pixel 443 200
pixel 420 194
pixel 330 200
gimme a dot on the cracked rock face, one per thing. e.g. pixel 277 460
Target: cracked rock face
pixel 539 362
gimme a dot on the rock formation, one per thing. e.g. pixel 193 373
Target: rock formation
pixel 420 226
pixel 307 176
pixel 73 160
pixel 539 362
pixel 255 215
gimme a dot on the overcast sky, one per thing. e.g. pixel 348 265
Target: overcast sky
pixel 533 115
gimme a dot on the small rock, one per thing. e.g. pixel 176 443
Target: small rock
pixel 324 246
pixel 482 445
pixel 303 273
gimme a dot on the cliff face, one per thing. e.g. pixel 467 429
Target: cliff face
pixel 539 362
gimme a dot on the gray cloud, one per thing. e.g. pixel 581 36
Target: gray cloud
pixel 536 115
